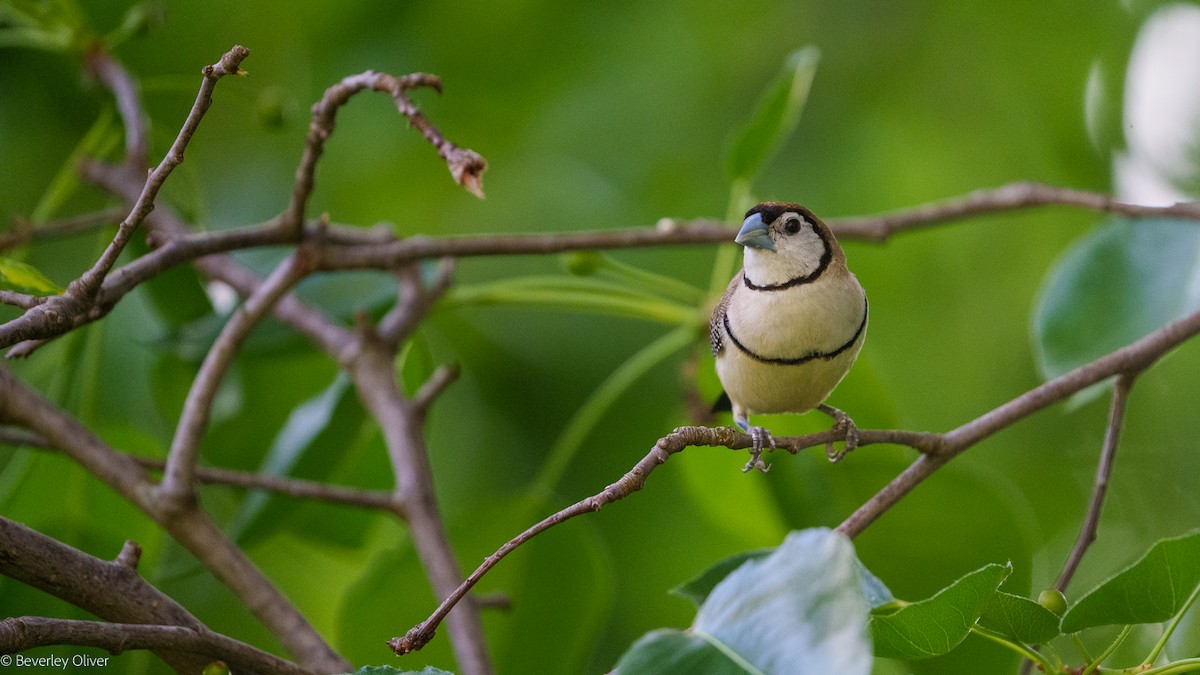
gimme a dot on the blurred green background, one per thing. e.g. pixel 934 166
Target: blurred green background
pixel 603 116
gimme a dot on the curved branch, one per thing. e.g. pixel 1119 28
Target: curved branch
pixel 936 449
pixel 465 166
pixel 1108 453
pixel 26 632
pixel 179 482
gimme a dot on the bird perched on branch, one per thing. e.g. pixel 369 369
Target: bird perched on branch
pixel 789 325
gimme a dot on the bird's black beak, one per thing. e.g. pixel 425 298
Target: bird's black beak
pixel 754 233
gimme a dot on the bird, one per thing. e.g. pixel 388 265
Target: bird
pixel 789 325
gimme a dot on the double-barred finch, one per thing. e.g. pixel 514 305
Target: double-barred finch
pixel 790 324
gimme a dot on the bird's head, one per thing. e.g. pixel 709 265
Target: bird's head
pixel 785 242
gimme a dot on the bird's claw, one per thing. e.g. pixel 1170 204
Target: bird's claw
pixel 760 440
pixel 842 422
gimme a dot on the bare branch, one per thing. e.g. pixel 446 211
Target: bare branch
pixel 190 527
pixel 117 80
pixel 89 284
pixel 284 485
pixel 441 378
pixel 178 485
pixel 22 300
pixel 65 312
pixel 1091 522
pixel 400 421
pixel 465 165
pixel 1011 197
pixel 1129 359
pixel 110 590
pixel 936 449
pixel 23 231
pixel 414 302
pixel 26 632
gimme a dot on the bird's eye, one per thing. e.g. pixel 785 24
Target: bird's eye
pixel 792 226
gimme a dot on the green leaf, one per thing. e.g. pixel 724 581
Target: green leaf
pixel 1020 619
pixel 16 275
pixel 801 606
pixel 698 588
pixel 775 117
pixel 316 436
pixel 935 626
pixel 1121 281
pixel 101 138
pixel 668 651
pixel 1151 590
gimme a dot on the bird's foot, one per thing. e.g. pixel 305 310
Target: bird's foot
pixel 841 422
pixel 761 440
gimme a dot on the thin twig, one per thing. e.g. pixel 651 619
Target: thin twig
pixel 465 166
pixel 400 421
pixel 936 449
pixel 285 485
pixel 1091 522
pixel 1011 197
pixel 24 232
pixel 437 383
pixel 349 249
pixel 65 312
pixel 22 300
pixel 124 90
pixel 414 301
pixel 178 484
pixel 89 284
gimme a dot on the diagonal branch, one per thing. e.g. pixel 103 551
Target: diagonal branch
pixel 178 485
pixel 194 530
pixel 937 450
pixel 1091 522
pixel 64 312
pixel 89 284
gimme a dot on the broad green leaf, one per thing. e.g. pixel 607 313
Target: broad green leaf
pixel 1020 619
pixel 1151 590
pixel 799 609
pixel 775 117
pixel 315 437
pixel 698 588
pixel 935 626
pixel 668 651
pixel 1121 281
pixel 16 275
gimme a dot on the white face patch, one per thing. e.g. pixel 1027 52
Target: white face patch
pixel 801 252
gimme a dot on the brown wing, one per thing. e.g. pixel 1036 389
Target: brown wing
pixel 716 325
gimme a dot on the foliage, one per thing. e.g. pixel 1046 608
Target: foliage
pixel 804 604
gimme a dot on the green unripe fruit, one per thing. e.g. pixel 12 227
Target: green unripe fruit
pixel 582 263
pixel 1053 600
